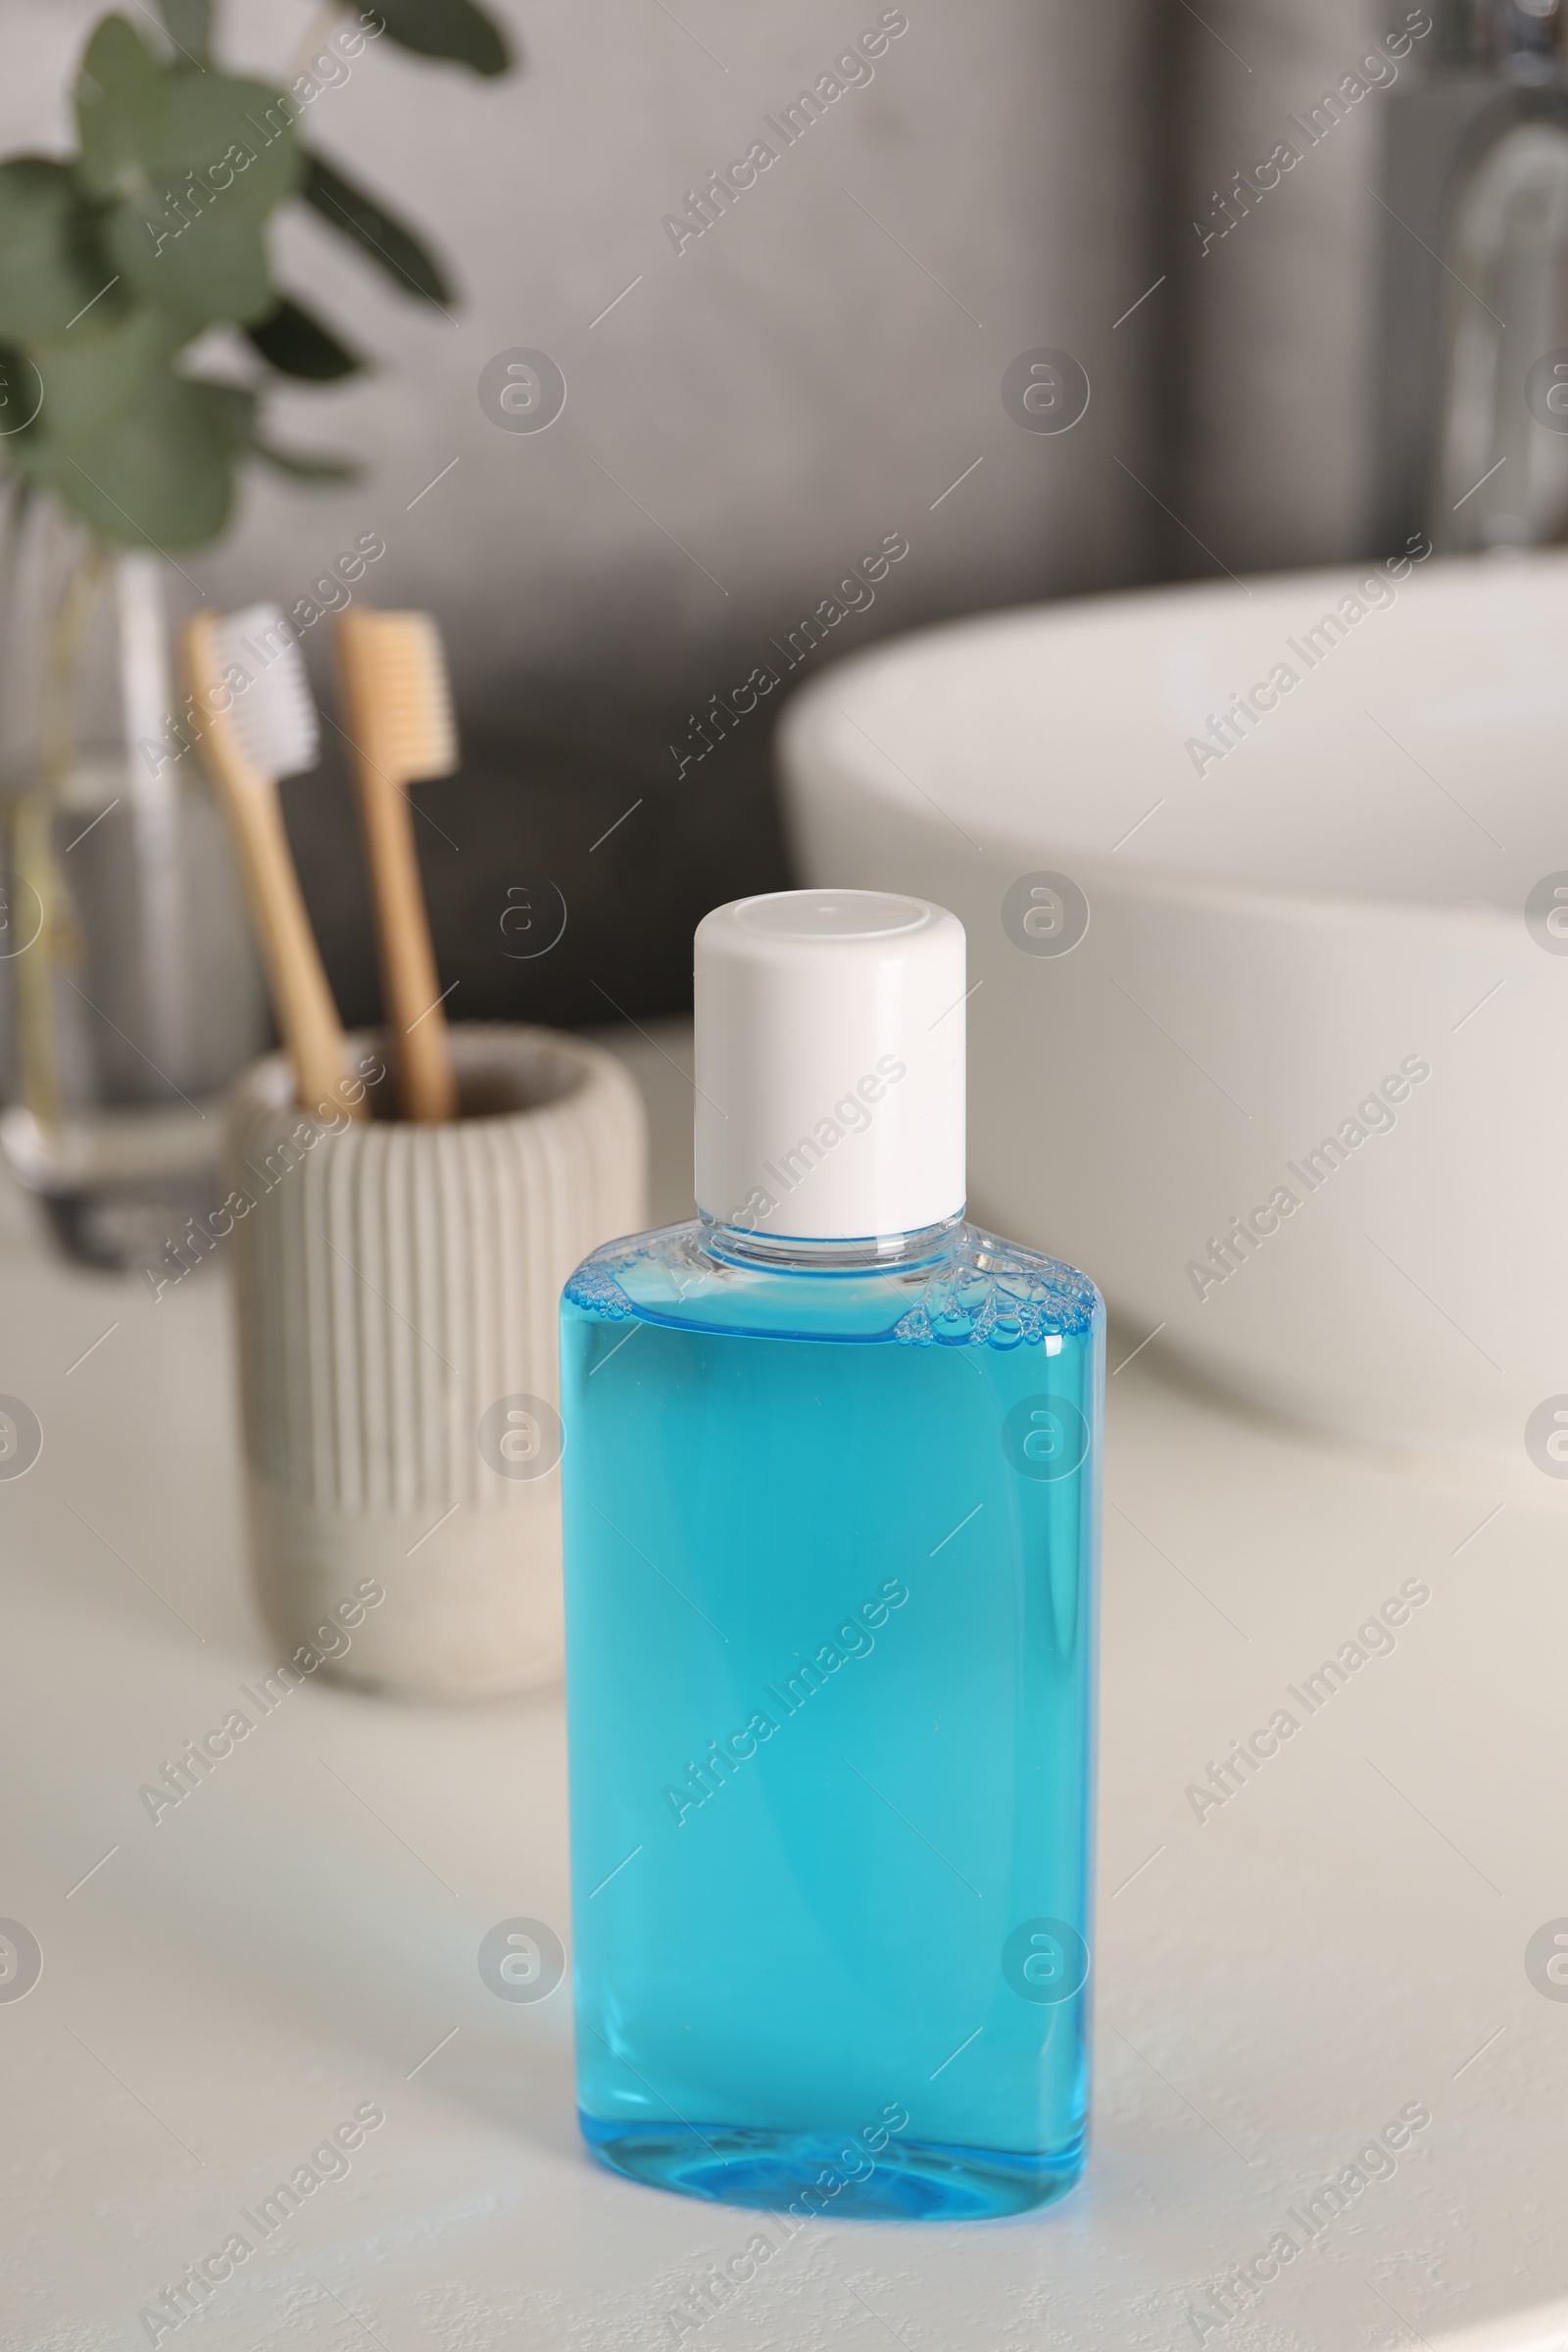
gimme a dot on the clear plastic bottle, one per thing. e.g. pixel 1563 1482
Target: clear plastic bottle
pixel 831 1513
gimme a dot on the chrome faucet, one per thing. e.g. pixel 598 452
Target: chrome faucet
pixel 1483 145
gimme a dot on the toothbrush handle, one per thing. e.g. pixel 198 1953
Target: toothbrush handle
pixel 409 982
pixel 302 1000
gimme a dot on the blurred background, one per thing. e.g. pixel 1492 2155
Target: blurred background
pixel 748 416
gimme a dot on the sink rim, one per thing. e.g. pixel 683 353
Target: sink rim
pixel 809 746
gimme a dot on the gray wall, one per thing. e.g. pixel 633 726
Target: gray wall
pixel 761 409
pixel 1274 457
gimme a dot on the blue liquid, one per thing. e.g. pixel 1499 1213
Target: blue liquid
pixel 831 1544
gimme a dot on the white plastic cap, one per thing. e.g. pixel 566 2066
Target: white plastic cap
pixel 830 1064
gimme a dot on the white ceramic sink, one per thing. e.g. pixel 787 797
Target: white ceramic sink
pixel 1276 938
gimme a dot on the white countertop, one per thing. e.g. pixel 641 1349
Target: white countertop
pixel 1343 1938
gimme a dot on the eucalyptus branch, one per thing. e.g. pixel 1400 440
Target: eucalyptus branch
pixel 117 258
pixel 34 839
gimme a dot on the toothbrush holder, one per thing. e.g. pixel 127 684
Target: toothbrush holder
pixel 396 1290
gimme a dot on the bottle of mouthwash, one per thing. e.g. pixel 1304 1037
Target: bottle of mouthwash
pixel 831 1484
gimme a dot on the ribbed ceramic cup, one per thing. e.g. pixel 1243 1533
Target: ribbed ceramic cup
pixel 397 1291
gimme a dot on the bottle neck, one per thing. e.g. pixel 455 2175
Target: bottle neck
pixel 875 1253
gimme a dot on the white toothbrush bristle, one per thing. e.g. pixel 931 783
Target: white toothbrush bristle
pixel 273 711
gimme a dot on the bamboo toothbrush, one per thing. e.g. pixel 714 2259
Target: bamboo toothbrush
pixel 393 676
pixel 251 736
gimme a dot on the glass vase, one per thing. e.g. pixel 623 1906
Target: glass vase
pixel 129 992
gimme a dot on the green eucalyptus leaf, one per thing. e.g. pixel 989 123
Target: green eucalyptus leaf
pixel 161 473
pixel 213 267
pixel 48 266
pixel 362 218
pixel 449 28
pixel 119 108
pixel 99 368
pixel 304 468
pixel 196 168
pixel 189 25
pixel 226 141
pixel 176 138
pixel 295 343
pixel 21 400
